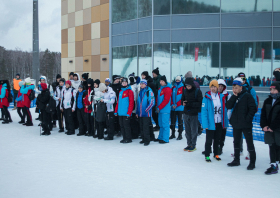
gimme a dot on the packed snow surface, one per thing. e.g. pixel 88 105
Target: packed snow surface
pixel 58 166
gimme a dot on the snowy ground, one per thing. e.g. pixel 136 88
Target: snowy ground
pixel 61 166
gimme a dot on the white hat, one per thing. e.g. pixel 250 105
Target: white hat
pixel 102 87
pixel 178 78
pixel 27 80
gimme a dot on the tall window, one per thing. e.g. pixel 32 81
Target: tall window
pixel 123 10
pixel 145 58
pixel 161 7
pixel 144 8
pixel 162 59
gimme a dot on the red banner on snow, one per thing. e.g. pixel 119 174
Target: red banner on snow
pixel 196 54
pixel 262 55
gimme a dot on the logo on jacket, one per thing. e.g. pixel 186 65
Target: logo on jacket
pixel 179 91
pixel 203 104
pixel 124 94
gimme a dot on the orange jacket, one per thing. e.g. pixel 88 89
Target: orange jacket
pixel 16 84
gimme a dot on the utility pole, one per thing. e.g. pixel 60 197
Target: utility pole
pixel 36 53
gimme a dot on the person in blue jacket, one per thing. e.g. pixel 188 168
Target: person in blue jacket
pixel 145 103
pixel 214 119
pixel 163 107
pixel 177 108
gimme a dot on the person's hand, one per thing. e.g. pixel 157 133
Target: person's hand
pixel 116 114
pixel 136 116
pixel 269 130
pixel 101 100
pixel 59 99
pixel 73 110
pixel 265 128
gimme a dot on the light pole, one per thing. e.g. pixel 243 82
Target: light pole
pixel 35 42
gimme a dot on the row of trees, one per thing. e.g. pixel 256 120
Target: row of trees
pixel 18 61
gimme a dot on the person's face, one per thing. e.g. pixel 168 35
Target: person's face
pixel 274 91
pixel 117 81
pixel 67 85
pixel 143 86
pixel 61 83
pixel 124 84
pixel 43 81
pixel 143 76
pixel 214 89
pixel 104 91
pixel 178 81
pixel 57 80
pixel 154 75
pixel 71 77
pixel 17 76
pixel 80 89
pixel 221 88
pixel 189 87
pixel 75 77
pixel 236 89
pixel 107 83
pixel 162 83
pixel 95 85
pixel 243 81
pixel 89 85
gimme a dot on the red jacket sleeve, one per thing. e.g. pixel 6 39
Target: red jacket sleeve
pixel 171 96
pixel 131 102
pixel 167 94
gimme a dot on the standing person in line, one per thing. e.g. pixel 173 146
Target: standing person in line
pixel 80 108
pixel 71 76
pixel 270 117
pixel 223 90
pixel 107 82
pixel 89 109
pixel 214 119
pixel 156 79
pixel 243 110
pixel 177 107
pixel 192 100
pixel 58 97
pixel 4 101
pixel 75 84
pixel 16 88
pixel 145 103
pixel 26 92
pixel 20 106
pixel 67 106
pixel 163 107
pixel 124 110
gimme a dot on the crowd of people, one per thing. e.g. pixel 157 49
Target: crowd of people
pixel 126 107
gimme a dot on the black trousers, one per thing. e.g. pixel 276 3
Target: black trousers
pixel 100 129
pixel 237 133
pixel 59 117
pixel 110 123
pixel 26 111
pixel 15 97
pixel 274 153
pixel 81 115
pixel 91 124
pixel 6 113
pixel 125 127
pixel 135 128
pixel 210 135
pixel 21 114
pixel 151 129
pixel 46 117
pixel 145 129
pixel 75 119
pixel 70 126
pixel 2 114
pixel 174 115
pixel 155 116
pixel 223 138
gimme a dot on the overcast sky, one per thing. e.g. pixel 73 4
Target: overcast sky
pixel 16 24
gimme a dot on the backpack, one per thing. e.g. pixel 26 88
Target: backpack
pixel 10 97
pixel 32 95
pixel 258 100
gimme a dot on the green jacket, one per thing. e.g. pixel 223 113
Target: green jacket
pixel 157 81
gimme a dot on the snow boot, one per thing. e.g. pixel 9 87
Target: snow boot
pixel 21 122
pixel 172 136
pixel 61 130
pixel 156 140
pixel 5 122
pixel 146 144
pixel 127 141
pixel 122 141
pixel 207 159
pixel 180 136
pixel 271 170
pixel 251 166
pixel 108 138
pixel 80 134
pixel 234 163
pixel 162 142
pixel 217 157
pixel 187 148
pixel 142 142
pixel 29 124
pixel 156 128
pixel 192 149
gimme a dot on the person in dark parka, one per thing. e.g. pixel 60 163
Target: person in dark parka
pixel 270 118
pixel 243 108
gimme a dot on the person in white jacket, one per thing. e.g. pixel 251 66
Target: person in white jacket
pixel 58 98
pixel 77 81
pixel 67 106
pixel 223 90
pixel 109 99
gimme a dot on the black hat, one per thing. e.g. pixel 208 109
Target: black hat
pixel 189 81
pixel 275 85
pixel 156 71
pixel 131 79
pixel 241 75
pixel 145 73
pixel 125 80
pixel 90 81
pixel 115 77
pixel 131 75
pixel 85 76
pixel 58 76
pixel 276 73
pixel 71 74
pixel 81 86
pixel 163 78
pixel 18 75
pixel 97 81
pixel 62 80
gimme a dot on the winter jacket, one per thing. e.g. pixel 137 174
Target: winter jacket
pixel 116 88
pixel 145 102
pixel 19 99
pixel 58 94
pixel 43 99
pixel 270 117
pixel 26 91
pixel 80 99
pixel 135 89
pixel 208 114
pixel 125 102
pixel 151 84
pixel 177 92
pixel 4 94
pixel 193 104
pixel 252 92
pixel 226 94
pixel 88 108
pixel 76 84
pixel 157 82
pixel 109 99
pixel 243 110
pixel 164 98
pixel 68 99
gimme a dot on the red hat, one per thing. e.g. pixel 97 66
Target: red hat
pixel 44 86
pixel 68 82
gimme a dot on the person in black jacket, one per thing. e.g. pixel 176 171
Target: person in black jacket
pixel 243 108
pixel 42 102
pixel 270 117
pixel 192 101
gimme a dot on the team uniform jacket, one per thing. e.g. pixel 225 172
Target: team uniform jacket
pixel 145 103
pixel 19 99
pixel 208 114
pixel 125 102
pixel 109 99
pixel 164 98
pixel 58 94
pixel 177 92
pixel 4 96
pixel 67 97
pixel 26 91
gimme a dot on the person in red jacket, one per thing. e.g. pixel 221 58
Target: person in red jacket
pixel 20 106
pixel 26 91
pixel 4 103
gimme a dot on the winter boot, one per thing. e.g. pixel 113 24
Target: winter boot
pixel 235 162
pixel 29 124
pixel 5 122
pixel 252 160
pixel 172 135
pixel 271 170
pixel 162 142
pixel 207 159
pixel 251 166
pixel 142 142
pixel 180 136
pixel 192 149
pixel 187 148
pixel 156 128
pixel 61 130
pixel 108 138
pixel 217 158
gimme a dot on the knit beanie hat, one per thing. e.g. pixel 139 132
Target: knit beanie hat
pixel 58 76
pixel 178 78
pixel 237 81
pixel 275 85
pixel 137 79
pixel 145 73
pixel 90 81
pixel 108 80
pixel 20 83
pixel 188 74
pixel 68 82
pixel 97 81
pixel 163 78
pixel 18 75
pixel 276 73
pixel 27 81
pixel 115 77
pixel 102 87
pixel 85 76
pixel 214 83
pixel 189 81
pixel 44 86
pixel 156 71
pixel 131 75
pixel 143 81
